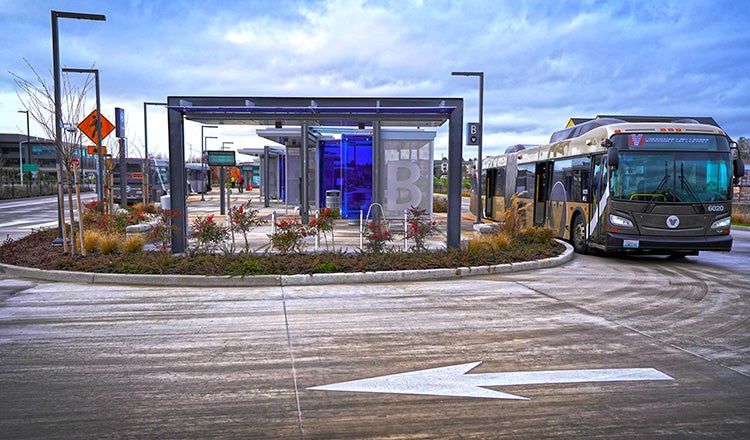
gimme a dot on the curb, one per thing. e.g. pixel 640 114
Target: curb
pixel 284 280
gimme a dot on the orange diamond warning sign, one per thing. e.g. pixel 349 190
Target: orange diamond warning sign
pixel 88 126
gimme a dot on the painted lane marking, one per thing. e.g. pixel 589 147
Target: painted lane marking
pixel 453 381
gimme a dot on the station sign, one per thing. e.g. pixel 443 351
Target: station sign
pixel 221 158
pixel 473 133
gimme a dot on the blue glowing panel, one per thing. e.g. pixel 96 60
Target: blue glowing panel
pixel 330 168
pixel 357 174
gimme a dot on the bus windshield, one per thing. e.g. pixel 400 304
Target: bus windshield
pixel 161 174
pixel 676 176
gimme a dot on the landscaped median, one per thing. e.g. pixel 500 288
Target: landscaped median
pixel 285 280
pixel 113 259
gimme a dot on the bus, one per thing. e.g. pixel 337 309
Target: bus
pixel 610 185
pixel 198 178
pixel 158 179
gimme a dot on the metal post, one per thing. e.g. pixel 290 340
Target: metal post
pixel 54 15
pixel 203 158
pixel 28 143
pixel 304 202
pixel 265 184
pixel 480 207
pixel 455 135
pixel 222 191
pixel 147 163
pixel 99 152
pixel 100 155
pixel 479 144
pixel 123 171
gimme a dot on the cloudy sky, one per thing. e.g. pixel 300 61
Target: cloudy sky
pixel 544 61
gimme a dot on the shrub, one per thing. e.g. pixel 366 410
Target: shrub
pixel 289 236
pixel 419 227
pixel 740 218
pixel 133 244
pixel 162 230
pixel 376 235
pixel 512 222
pixel 208 234
pixel 439 204
pixel 91 240
pixel 490 244
pixel 109 244
pixel 536 235
pixel 324 223
pixel 244 219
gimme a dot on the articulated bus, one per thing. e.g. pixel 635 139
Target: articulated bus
pixel 158 179
pixel 611 185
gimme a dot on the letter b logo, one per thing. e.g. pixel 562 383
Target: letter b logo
pixel 473 133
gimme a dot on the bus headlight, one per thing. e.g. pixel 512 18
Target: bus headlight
pixel 620 222
pixel 722 224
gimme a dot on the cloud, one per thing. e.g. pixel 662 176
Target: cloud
pixel 544 62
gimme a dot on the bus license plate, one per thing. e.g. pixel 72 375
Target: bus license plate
pixel 630 244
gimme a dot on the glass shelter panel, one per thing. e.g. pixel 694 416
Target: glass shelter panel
pixel 408 175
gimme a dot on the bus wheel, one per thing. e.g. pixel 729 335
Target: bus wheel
pixel 578 239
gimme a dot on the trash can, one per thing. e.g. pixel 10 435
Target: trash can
pixel 165 202
pixel 333 199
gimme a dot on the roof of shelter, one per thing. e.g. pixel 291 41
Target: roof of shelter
pixel 340 112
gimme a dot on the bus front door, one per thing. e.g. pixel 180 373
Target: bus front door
pixel 543 175
pixel 597 210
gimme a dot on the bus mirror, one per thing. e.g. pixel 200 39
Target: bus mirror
pixel 739 168
pixel 613 160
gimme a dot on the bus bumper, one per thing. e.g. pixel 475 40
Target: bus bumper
pixel 641 243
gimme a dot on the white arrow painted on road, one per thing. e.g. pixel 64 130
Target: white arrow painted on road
pixel 453 381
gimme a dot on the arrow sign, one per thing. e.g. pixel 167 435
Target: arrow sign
pixel 453 381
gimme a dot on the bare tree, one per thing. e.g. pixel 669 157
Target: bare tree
pixel 743 144
pixel 38 99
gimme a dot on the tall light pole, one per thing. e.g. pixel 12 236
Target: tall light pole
pixel 58 92
pixel 99 155
pixel 147 162
pixel 203 158
pixel 28 143
pixel 479 144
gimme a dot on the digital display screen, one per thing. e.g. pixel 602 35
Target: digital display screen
pixel 672 141
pixel 221 158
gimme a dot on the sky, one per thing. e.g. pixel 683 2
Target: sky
pixel 544 61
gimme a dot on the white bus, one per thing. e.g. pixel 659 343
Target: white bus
pixel 659 187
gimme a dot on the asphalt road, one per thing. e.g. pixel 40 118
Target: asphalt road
pixel 91 361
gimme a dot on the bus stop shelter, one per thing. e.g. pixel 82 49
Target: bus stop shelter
pixel 306 113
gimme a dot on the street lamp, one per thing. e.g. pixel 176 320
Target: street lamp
pixel 203 158
pixel 99 155
pixel 58 93
pixel 479 144
pixel 28 143
pixel 147 162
